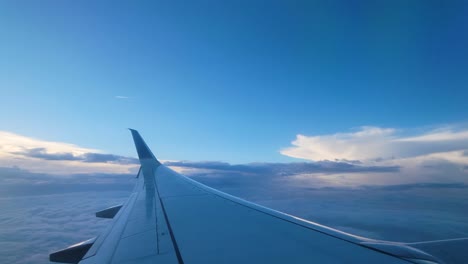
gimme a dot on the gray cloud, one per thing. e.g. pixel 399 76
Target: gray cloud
pixel 349 161
pixel 328 167
pixel 424 185
pixel 18 182
pixel 41 153
pixel 98 157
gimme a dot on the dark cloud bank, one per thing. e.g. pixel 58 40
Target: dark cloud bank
pixel 338 166
pixel 41 153
pixel 41 212
pixel 286 168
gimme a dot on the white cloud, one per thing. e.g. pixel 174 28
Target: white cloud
pixel 363 144
pixel 13 147
pixel 10 142
pixel 431 156
pixel 369 155
pixel 438 135
pixel 375 143
pixel 121 97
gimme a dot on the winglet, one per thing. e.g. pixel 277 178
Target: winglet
pixel 143 150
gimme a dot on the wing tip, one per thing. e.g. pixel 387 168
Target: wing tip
pixel 144 152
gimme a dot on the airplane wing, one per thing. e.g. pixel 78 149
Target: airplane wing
pixel 170 218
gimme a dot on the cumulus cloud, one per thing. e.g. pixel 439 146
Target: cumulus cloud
pixel 375 143
pixel 435 155
pixel 58 157
pixel 11 142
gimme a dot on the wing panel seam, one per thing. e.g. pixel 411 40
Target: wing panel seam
pixel 171 233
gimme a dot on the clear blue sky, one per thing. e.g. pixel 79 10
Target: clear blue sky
pixel 228 80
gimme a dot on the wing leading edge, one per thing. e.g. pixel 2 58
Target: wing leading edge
pixel 170 218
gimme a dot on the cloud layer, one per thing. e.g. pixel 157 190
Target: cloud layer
pixel 58 157
pixel 42 212
pixel 327 167
pixel 41 153
pixel 369 155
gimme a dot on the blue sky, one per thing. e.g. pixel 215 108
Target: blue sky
pixel 349 113
pixel 232 81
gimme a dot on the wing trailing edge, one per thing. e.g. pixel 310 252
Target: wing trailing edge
pixel 73 253
pixel 109 212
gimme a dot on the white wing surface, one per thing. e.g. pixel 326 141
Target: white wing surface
pixel 170 218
